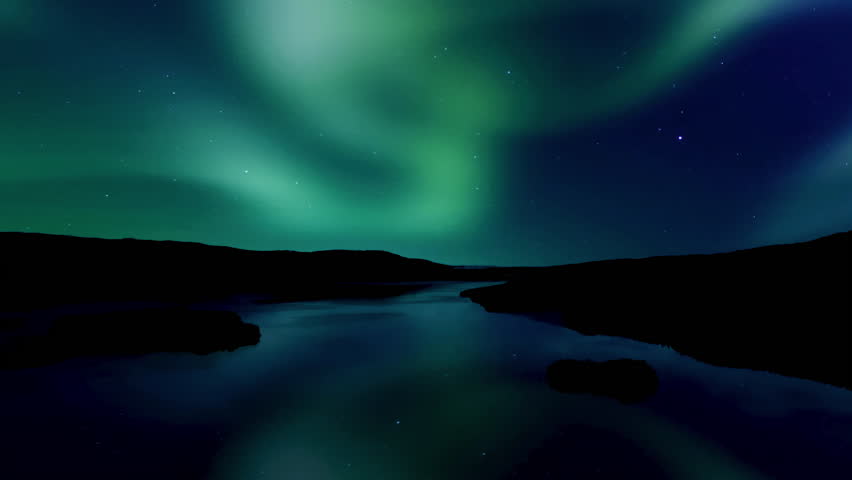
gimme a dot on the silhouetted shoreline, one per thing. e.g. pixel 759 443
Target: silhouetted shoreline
pixel 130 333
pixel 107 281
pixel 782 308
pixel 54 270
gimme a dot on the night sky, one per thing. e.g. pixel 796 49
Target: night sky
pixel 464 131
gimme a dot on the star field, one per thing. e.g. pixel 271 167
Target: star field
pixel 471 132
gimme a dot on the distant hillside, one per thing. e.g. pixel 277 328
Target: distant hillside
pixel 43 270
pixel 781 308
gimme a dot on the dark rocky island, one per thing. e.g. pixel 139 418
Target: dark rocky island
pixel 626 380
pixel 782 308
pixel 130 333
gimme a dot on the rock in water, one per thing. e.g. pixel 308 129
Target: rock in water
pixel 626 380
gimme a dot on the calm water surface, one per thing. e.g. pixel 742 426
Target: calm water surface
pixel 424 386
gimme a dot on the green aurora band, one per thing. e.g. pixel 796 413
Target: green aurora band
pixel 308 124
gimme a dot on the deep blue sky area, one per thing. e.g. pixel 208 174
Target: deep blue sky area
pixel 474 132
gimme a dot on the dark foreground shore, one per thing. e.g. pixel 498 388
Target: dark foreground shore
pixel 129 333
pixel 783 309
pixel 51 276
pixel 47 271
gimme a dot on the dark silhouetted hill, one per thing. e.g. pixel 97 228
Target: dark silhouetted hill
pixel 46 277
pixel 781 308
pixel 45 270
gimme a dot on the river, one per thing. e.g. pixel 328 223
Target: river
pixel 423 386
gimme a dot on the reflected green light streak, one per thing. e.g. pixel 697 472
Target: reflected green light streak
pixel 450 430
pixel 342 424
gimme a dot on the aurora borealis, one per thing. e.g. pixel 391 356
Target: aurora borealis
pixel 466 132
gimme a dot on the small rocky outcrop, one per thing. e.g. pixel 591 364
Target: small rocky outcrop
pixel 626 380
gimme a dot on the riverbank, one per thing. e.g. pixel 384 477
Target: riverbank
pixel 782 309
